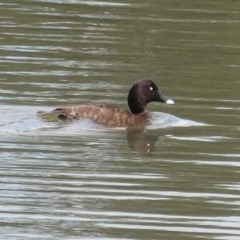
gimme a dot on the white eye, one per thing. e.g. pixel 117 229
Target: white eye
pixel 151 88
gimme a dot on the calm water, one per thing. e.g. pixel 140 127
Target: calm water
pixel 178 179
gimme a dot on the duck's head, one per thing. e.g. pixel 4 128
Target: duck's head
pixel 143 92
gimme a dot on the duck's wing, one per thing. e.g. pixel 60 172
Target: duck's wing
pixel 101 114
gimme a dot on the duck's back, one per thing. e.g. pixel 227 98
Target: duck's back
pixel 101 114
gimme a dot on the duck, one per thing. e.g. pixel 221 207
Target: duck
pixel 140 94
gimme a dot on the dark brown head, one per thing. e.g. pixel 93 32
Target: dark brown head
pixel 143 92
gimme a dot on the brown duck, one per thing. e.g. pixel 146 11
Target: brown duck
pixel 140 94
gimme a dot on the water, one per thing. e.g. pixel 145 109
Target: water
pixel 176 179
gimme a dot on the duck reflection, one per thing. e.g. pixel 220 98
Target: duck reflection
pixel 140 141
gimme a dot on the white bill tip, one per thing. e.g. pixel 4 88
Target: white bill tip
pixel 170 101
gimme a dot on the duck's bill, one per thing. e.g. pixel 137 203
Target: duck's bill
pixel 162 98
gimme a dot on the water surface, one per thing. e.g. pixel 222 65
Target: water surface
pixel 176 179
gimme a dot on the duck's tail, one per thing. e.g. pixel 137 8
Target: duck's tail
pixel 53 116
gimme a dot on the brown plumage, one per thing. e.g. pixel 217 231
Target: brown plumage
pixel 141 93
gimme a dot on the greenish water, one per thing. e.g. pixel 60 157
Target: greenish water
pixel 178 179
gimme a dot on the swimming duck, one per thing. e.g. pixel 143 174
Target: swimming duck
pixel 140 94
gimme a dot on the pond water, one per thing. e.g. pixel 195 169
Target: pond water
pixel 179 178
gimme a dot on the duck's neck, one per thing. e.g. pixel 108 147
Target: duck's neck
pixel 135 105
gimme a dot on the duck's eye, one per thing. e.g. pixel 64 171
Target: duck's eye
pixel 151 88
